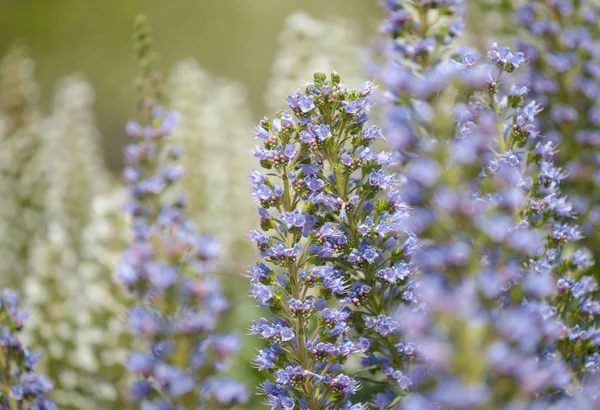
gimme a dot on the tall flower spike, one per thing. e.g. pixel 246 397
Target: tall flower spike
pixel 322 228
pixel 419 66
pixel 22 178
pixel 307 45
pixel 75 305
pixel 20 387
pixel 561 38
pixel 214 119
pixel 422 30
pixel 492 228
pixel 560 33
pixel 168 268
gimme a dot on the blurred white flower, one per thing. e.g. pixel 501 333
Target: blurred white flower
pixel 215 137
pixel 70 290
pixel 22 177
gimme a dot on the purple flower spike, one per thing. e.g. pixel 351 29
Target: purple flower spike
pixel 167 268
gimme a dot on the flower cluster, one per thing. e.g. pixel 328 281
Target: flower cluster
pixel 492 227
pixel 561 40
pixel 422 29
pixel 329 220
pixel 167 267
pixel 20 387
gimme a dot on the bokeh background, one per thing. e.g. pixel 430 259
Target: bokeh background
pixel 66 94
pixel 237 39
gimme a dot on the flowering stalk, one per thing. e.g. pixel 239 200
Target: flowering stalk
pixel 419 67
pixel 490 253
pixel 167 267
pixel 70 274
pixel 20 387
pixel 561 38
pixel 564 77
pixel 422 30
pixel 311 207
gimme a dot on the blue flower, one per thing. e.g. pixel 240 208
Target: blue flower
pixel 305 103
pixel 262 293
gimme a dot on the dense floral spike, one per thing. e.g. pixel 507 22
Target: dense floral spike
pixel 212 133
pixel 20 387
pixel 560 34
pixel 418 64
pixel 492 225
pixel 324 228
pixel 210 107
pixel 22 178
pixel 307 45
pixel 422 30
pixel 418 70
pixel 168 268
pixel 564 48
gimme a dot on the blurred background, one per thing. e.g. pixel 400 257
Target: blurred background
pixel 236 39
pixel 66 93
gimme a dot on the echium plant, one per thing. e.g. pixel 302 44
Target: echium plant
pixel 328 229
pixel 492 228
pixel 561 38
pixel 422 29
pixel 167 267
pixel 20 387
pixel 418 65
pixel 307 207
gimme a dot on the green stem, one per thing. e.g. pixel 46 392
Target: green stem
pixel 298 293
